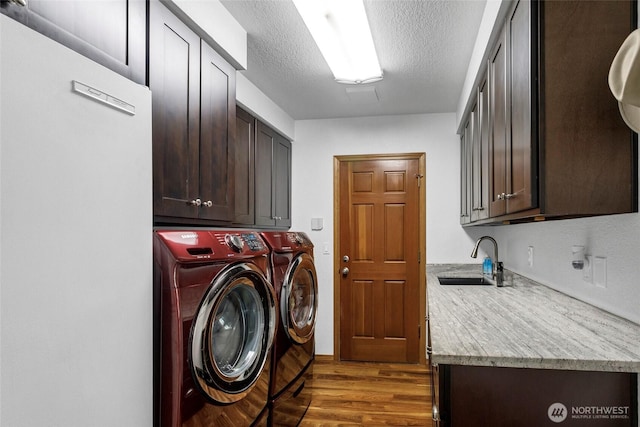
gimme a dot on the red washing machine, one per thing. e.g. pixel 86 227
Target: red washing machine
pixel 215 322
pixel 296 286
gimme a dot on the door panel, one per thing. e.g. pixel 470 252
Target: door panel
pixel 264 177
pixel 244 167
pixel 282 177
pixel 174 76
pixel 217 136
pixel 519 171
pixel 499 138
pixel 379 295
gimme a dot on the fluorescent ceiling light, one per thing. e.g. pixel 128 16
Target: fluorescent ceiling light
pixel 341 31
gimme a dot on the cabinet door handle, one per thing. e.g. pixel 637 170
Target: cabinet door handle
pixel 193 202
pixel 207 204
pixel 510 196
pixel 277 218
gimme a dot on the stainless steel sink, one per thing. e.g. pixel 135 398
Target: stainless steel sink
pixel 464 281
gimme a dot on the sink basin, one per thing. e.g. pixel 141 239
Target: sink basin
pixel 466 281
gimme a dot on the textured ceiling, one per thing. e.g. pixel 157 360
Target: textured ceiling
pixel 424 47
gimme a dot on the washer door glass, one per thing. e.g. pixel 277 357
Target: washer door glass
pixel 237 330
pixel 232 333
pixel 298 302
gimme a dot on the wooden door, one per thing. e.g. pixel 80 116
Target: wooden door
pixel 282 181
pixel 264 176
pixel 244 167
pixel 379 232
pixel 499 138
pixel 521 166
pixel 174 79
pixel 482 193
pixel 217 136
pixel 467 174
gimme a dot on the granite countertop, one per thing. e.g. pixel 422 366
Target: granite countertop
pixel 524 325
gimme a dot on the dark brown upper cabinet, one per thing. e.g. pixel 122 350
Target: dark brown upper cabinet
pixel 273 179
pixel 111 33
pixel 262 174
pixel 193 125
pixel 474 177
pixel 558 147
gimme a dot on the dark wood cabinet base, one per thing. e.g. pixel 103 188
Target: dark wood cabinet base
pixel 506 397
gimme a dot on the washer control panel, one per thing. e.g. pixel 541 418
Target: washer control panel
pixel 203 245
pixel 238 241
pixel 253 241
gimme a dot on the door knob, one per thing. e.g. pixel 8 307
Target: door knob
pixel 345 271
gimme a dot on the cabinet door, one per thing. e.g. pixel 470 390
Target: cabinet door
pixel 521 161
pixel 480 195
pixel 265 138
pixel 499 123
pixel 590 155
pixel 273 178
pixel 465 171
pixel 217 136
pixel 282 181
pixel 110 32
pixel 174 79
pixel 244 167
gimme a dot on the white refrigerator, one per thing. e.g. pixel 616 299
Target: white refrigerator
pixel 75 239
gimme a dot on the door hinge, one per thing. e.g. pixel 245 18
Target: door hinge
pixel 419 178
pixel 419 331
pixel 419 256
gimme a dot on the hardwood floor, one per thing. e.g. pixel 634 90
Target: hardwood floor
pixel 368 394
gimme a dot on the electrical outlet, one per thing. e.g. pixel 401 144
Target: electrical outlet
pixel 587 271
pixel 530 256
pixel 600 271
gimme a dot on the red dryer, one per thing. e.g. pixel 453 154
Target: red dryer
pixel 296 285
pixel 215 320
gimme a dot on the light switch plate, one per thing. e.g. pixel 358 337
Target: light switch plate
pixel 600 271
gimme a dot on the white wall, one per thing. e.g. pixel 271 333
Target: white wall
pixel 257 103
pixel 615 237
pixel 318 141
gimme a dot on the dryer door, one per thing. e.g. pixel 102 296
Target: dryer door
pixel 299 299
pixel 232 333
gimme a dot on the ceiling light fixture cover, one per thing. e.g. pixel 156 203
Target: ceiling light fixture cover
pixel 341 30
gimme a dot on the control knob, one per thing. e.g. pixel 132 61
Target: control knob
pixel 234 241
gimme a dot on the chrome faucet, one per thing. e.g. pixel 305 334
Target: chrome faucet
pixel 497 276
